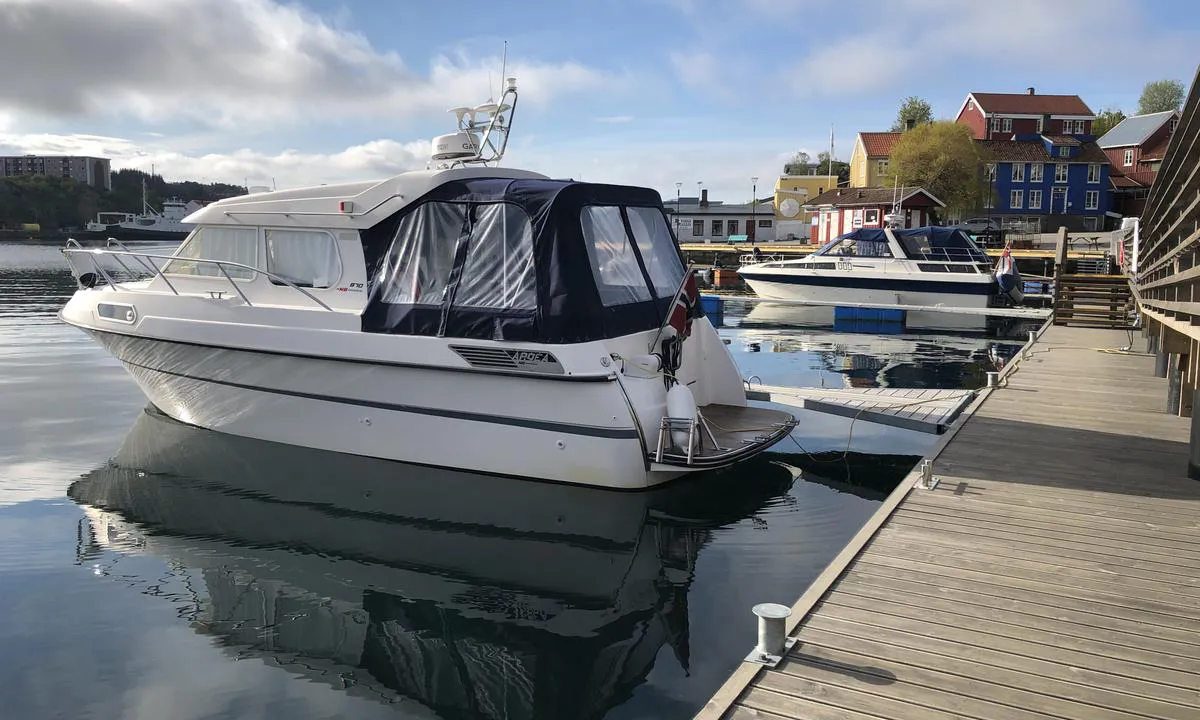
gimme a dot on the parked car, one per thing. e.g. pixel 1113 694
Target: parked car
pixel 977 226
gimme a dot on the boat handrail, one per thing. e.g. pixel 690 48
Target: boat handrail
pixel 73 247
pixel 750 259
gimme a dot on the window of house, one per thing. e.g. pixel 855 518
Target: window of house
pixel 614 261
pixel 1128 158
pixel 1035 199
pixel 1018 172
pixel 1041 125
pixel 989 200
pixel 1060 172
pixel 1016 199
pixel 732 227
pixel 1080 127
pixel 995 124
pixel 498 271
pixel 1091 200
pixel 991 171
pixel 881 166
pixel 765 223
pixel 1064 151
pixel 871 217
pixel 216 242
pixel 307 258
pixel 697 228
pixel 1094 173
pixel 717 228
pixel 1035 172
pixel 1006 125
pixel 417 267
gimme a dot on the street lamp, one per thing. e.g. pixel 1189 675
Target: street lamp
pixel 753 229
pixel 677 186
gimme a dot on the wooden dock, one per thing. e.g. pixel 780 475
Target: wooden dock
pixel 928 410
pixel 1053 572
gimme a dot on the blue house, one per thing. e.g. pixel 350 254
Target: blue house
pixel 1047 180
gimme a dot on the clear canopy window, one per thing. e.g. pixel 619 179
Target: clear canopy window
pixel 852 245
pixel 618 260
pixel 493 243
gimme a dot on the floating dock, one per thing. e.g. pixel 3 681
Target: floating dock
pixel 1051 571
pixel 923 409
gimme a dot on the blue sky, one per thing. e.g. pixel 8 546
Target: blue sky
pixel 645 92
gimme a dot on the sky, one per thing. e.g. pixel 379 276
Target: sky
pixel 639 92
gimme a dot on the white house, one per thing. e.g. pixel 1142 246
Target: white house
pixel 702 220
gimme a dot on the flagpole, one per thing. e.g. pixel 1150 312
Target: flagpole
pixel 830 173
pixel 671 310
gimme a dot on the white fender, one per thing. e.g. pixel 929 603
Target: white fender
pixel 681 405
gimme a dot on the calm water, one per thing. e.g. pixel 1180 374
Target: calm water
pixel 151 570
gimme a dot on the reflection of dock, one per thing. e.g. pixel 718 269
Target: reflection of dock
pixel 924 410
pixel 1049 572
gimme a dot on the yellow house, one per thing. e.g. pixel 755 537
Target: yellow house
pixel 792 193
pixel 869 161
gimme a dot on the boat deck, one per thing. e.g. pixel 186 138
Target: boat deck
pixel 739 432
pixel 1053 571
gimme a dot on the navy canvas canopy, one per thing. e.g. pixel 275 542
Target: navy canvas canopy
pixel 536 260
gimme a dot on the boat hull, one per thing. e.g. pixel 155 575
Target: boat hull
pixel 575 432
pixel 972 291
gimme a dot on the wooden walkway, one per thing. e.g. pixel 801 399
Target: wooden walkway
pixel 928 410
pixel 1054 572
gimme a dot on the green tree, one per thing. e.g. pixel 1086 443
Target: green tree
pixel 798 165
pixel 836 167
pixel 913 109
pixel 1160 96
pixel 1106 120
pixel 943 158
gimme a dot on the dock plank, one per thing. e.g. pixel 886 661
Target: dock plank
pixel 1053 572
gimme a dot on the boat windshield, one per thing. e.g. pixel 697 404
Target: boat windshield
pixel 853 245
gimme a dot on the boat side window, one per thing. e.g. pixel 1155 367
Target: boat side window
pixel 916 246
pixel 860 248
pixel 307 258
pixel 613 258
pixel 498 271
pixel 216 242
pixel 417 268
pixel 657 247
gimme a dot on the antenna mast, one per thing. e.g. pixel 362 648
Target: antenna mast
pixel 479 140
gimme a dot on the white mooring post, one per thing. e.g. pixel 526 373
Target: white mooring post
pixel 993 379
pixel 773 641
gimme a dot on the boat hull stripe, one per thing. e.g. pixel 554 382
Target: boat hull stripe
pixel 569 428
pixel 898 285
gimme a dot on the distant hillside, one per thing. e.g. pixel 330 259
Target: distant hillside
pixel 58 203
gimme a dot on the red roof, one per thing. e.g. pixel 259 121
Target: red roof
pixel 1026 104
pixel 879 144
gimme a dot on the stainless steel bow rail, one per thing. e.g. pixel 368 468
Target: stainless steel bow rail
pixel 73 249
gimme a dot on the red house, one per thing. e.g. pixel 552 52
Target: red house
pixel 837 212
pixel 1012 116
pixel 1135 147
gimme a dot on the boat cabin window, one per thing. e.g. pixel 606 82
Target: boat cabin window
pixel 214 242
pixel 417 270
pixel 621 266
pixel 498 272
pixel 306 258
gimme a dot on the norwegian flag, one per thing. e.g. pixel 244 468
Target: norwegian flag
pixel 686 305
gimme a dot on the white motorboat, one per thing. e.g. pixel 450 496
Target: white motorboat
pixel 464 315
pixel 925 266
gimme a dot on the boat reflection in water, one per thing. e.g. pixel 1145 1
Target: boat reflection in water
pixel 460 594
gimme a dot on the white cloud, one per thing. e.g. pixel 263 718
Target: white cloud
pixel 225 63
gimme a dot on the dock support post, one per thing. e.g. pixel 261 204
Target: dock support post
pixel 773 641
pixel 1174 383
pixel 1160 363
pixel 1194 444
